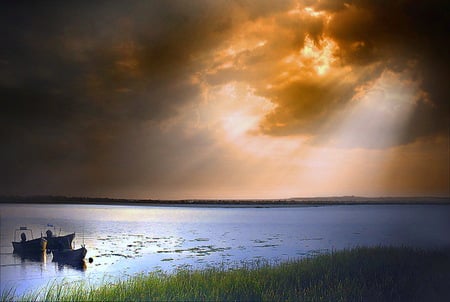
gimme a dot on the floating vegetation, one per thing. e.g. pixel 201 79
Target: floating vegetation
pixel 259 241
pixel 199 239
pixel 267 245
pixel 311 239
pixel 121 255
pixel 198 250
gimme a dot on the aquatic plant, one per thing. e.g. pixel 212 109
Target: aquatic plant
pixel 361 274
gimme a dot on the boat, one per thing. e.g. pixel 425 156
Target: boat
pixel 28 247
pixel 33 246
pixel 69 256
pixel 58 242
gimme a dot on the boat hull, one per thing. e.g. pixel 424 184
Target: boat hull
pixel 60 242
pixel 30 247
pixel 69 256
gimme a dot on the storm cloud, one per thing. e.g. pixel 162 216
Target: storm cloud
pixel 96 96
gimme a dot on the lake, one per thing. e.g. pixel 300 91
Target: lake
pixel 127 240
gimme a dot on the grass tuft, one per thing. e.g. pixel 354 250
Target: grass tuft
pixel 361 274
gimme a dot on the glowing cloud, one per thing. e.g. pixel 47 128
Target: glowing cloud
pixel 174 99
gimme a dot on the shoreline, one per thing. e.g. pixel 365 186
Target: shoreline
pixel 359 274
pixel 238 203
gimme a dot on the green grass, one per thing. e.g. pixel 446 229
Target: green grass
pixel 362 274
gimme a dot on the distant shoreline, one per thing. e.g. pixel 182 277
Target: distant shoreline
pixel 290 202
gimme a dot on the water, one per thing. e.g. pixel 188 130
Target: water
pixel 126 240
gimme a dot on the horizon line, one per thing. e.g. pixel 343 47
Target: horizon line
pixel 40 197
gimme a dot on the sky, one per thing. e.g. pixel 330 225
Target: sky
pixel 224 99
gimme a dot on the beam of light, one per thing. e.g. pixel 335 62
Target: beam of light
pixel 378 115
pixel 357 153
pixel 262 164
pixel 240 113
pixel 350 162
pixel 351 159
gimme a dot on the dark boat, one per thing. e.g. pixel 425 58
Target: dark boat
pixel 69 256
pixel 33 246
pixel 28 247
pixel 59 242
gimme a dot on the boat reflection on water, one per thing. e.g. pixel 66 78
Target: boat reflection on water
pixel 24 257
pixel 42 259
pixel 61 265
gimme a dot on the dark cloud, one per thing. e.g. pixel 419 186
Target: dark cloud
pixel 81 82
pixel 371 37
pixel 401 35
pixel 78 79
pixel 304 105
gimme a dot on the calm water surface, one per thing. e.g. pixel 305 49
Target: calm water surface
pixel 126 240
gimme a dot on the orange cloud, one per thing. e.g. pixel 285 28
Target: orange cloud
pixel 314 58
pixel 136 95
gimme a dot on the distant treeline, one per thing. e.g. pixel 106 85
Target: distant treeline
pixel 50 199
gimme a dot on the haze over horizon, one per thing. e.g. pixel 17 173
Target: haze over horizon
pixel 225 99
